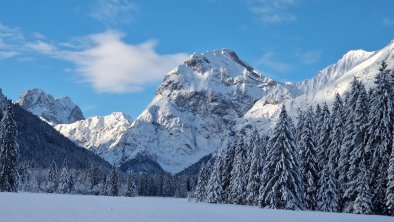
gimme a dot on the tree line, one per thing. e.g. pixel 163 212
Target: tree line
pixel 335 159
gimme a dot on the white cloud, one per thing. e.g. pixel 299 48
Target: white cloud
pixel 268 61
pixel 111 65
pixel 273 11
pixel 310 57
pixel 103 60
pixel 112 12
pixel 388 22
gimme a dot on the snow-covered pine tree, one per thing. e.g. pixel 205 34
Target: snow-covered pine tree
pixel 51 180
pixel 101 188
pixel 131 187
pixel 227 167
pixel 8 151
pixel 336 135
pixel 363 201
pixel 357 152
pixel 310 173
pixel 300 125
pixel 389 199
pixel 23 177
pixel 93 180
pixel 238 179
pixel 113 183
pixel 65 183
pixel 203 177
pixel 282 186
pixel 323 137
pixel 327 198
pixel 348 134
pixel 254 174
pixel 214 187
pixel 380 132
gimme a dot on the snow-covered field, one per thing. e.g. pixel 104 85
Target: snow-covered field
pixel 74 208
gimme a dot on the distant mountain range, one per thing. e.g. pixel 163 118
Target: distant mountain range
pixel 198 103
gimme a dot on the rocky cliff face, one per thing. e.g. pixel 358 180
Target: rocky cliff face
pixel 53 110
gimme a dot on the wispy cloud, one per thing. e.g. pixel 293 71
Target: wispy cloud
pixel 388 22
pixel 269 61
pixel 113 12
pixel 309 57
pixel 112 65
pixel 273 11
pixel 103 60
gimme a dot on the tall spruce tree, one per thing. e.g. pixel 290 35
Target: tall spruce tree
pixel 336 135
pixel 51 180
pixel 380 135
pixel 363 202
pixel 238 180
pixel 227 167
pixel 389 199
pixel 131 187
pixel 310 173
pixel 357 151
pixel 8 152
pixel 282 186
pixel 113 183
pixel 327 198
pixel 214 188
pixel 65 180
pixel 323 137
pixel 254 174
pixel 348 134
pixel 203 178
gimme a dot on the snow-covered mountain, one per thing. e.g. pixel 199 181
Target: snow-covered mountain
pixel 53 110
pixel 195 104
pixel 99 133
pixel 207 95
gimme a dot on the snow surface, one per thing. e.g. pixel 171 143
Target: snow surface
pixel 32 207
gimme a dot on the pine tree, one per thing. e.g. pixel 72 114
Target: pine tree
pixel 93 178
pixel 113 185
pixel 357 153
pixel 238 180
pixel 336 135
pixel 323 138
pixel 390 186
pixel 51 180
pixel 214 188
pixel 380 135
pixel 203 177
pixel 65 180
pixel 257 162
pixel 300 126
pixel 227 167
pixel 281 179
pixel 8 152
pixel 131 188
pixel 363 201
pixel 309 160
pixel 327 198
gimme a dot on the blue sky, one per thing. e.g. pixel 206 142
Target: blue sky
pixel 110 55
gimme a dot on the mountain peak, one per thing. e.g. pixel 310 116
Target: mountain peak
pixel 54 110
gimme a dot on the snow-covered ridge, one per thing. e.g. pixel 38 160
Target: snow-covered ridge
pixel 53 110
pixel 99 133
pixel 208 94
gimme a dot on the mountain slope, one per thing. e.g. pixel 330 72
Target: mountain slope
pixel 54 111
pixel 99 133
pixel 42 144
